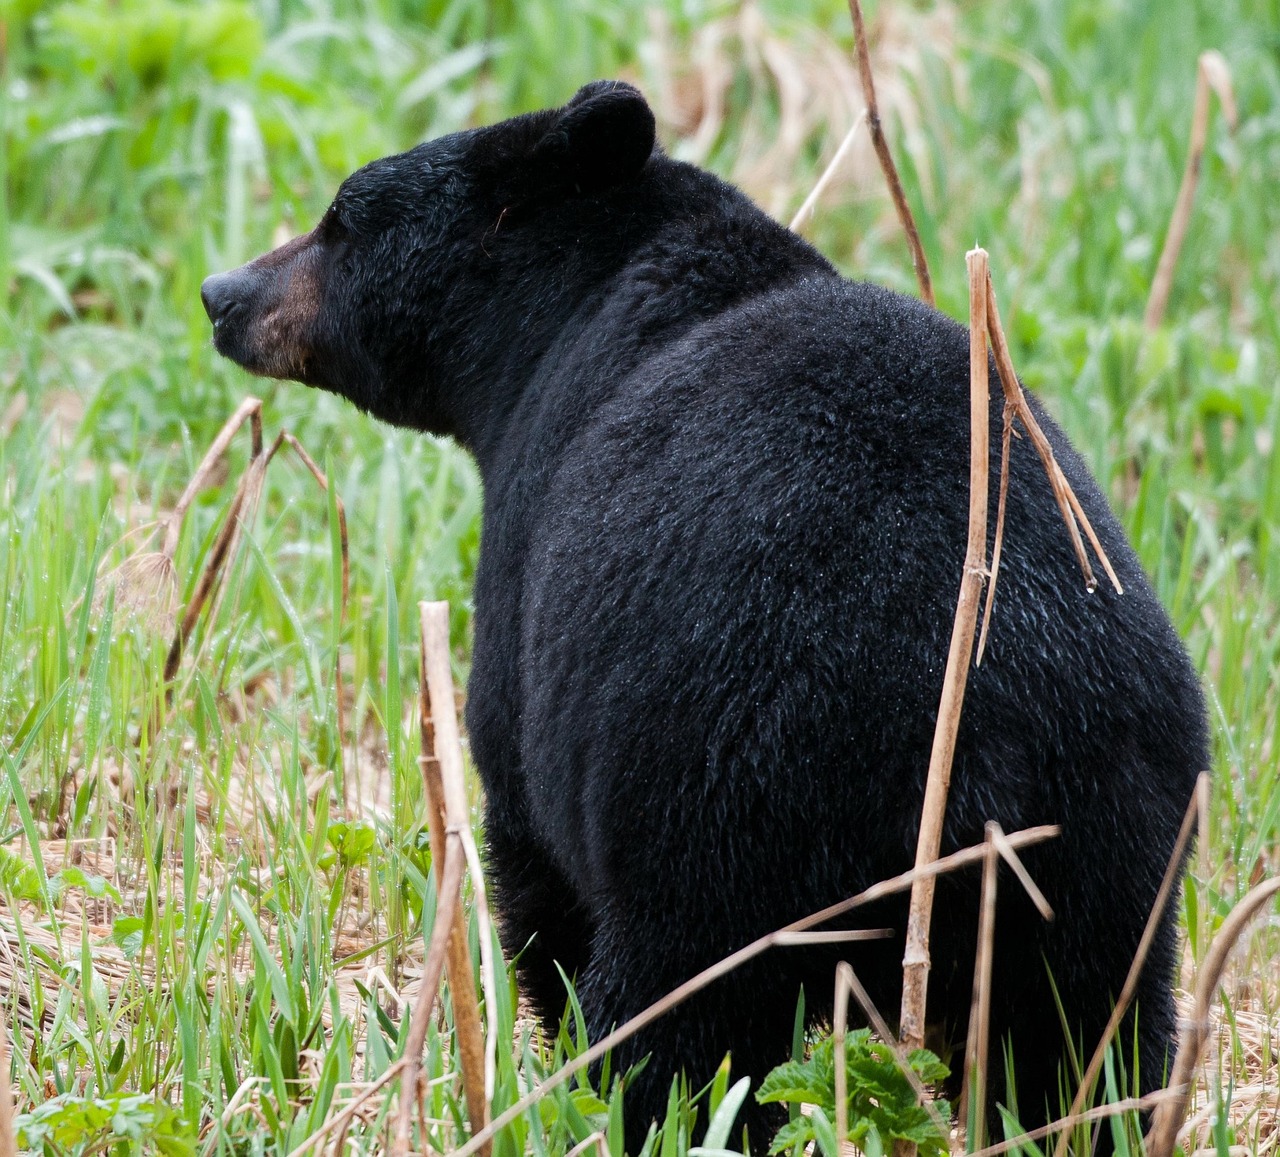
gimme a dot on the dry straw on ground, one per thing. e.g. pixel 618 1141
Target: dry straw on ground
pixel 8 1142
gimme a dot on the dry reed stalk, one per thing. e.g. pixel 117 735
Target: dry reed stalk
pixel 239 514
pixel 678 995
pixel 840 1014
pixel 1212 74
pixel 238 1099
pixel 886 158
pixel 1170 1114
pixel 243 503
pixel 433 970
pixel 915 962
pixel 420 1100
pixel 997 545
pixel 8 1140
pixel 219 553
pixel 146 582
pixel 250 410
pixel 973 1095
pixel 846 936
pixel 828 175
pixel 458 970
pixel 1130 986
pixel 447 810
pixel 1098 1113
pixel 1073 514
pixel 488 965
pixel 340 1141
pixel 1009 854
pixel 454 779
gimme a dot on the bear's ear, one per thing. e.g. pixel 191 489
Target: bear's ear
pixel 603 137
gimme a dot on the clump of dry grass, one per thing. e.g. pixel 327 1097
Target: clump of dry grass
pixel 804 92
pixel 1240 1057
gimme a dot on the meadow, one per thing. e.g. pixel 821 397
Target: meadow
pixel 215 892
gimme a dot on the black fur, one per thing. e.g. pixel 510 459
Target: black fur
pixel 725 512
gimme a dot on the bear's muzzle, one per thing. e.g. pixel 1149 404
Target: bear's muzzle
pixel 263 313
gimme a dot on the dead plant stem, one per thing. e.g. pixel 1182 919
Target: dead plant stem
pixel 885 156
pixel 1068 504
pixel 915 963
pixel 1212 75
pixel 433 969
pixel 973 1098
pixel 447 807
pixel 828 175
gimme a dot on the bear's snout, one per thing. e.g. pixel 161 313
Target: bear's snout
pixel 264 313
pixel 230 300
pixel 219 295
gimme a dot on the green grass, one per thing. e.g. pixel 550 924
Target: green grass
pixel 149 143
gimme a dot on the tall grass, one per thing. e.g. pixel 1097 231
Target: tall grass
pixel 221 910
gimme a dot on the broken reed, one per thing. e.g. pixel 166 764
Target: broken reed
pixel 984 320
pixel 878 140
pixel 453 851
pixel 1212 73
pixel 438 740
pixel 915 961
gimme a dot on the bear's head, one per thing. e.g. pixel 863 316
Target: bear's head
pixel 436 274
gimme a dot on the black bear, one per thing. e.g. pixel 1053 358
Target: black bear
pixel 725 510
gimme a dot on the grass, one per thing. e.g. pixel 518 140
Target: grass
pixel 218 912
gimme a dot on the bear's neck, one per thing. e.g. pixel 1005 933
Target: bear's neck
pixel 688 249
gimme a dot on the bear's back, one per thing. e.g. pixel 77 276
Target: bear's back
pixel 742 580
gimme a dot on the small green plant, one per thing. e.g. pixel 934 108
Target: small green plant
pixel 21 881
pixel 120 1124
pixel 883 1107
